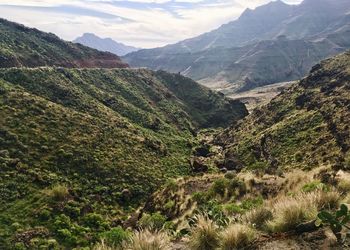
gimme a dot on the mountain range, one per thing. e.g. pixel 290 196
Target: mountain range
pixel 272 43
pixel 97 155
pixel 104 44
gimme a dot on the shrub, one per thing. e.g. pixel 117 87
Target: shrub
pixel 59 192
pixel 336 221
pixel 200 197
pixel 204 236
pixel 169 205
pixel 171 185
pixel 95 221
pixel 67 237
pixel 230 175
pixel 232 209
pixel 115 237
pixel 251 203
pixel 313 186
pixel 148 240
pixel 219 186
pixel 153 221
pixel 237 236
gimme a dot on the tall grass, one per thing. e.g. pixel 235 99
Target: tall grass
pixel 204 236
pixel 237 236
pixel 288 212
pixel 148 240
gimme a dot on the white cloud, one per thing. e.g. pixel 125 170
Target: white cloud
pixel 154 22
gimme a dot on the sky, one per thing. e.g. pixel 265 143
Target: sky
pixel 140 23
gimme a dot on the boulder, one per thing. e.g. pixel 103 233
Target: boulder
pixel 198 166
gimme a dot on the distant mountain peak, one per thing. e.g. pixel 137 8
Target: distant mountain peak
pixel 105 44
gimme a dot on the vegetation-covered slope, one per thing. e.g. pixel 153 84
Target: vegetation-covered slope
pixel 22 46
pixel 89 143
pixel 284 175
pixel 304 127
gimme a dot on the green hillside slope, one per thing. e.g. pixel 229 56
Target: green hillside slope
pixel 22 46
pixel 304 127
pixel 92 143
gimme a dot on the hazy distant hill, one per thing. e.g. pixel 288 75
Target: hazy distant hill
pixel 251 51
pixel 23 46
pixel 104 44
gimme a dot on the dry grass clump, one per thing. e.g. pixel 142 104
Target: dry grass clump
pixel 344 185
pixel 326 200
pixel 237 236
pixel 295 180
pixel 148 240
pixel 103 246
pixel 346 199
pixel 204 236
pixel 59 192
pixel 257 217
pixel 289 212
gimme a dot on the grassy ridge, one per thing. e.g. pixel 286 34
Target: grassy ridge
pixel 21 46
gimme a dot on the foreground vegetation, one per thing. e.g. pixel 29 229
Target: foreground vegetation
pixel 227 220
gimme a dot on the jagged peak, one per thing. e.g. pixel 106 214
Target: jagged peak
pixel 273 5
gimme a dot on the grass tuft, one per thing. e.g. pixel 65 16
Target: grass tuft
pixel 148 240
pixel 237 236
pixel 204 236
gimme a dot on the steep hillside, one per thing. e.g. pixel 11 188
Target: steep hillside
pixel 104 44
pixel 284 180
pixel 251 51
pixel 273 61
pixel 87 145
pixel 25 47
pixel 304 127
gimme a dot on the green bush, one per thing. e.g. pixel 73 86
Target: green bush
pixel 312 186
pixel 115 236
pixel 251 203
pixel 154 221
pixel 219 186
pixel 67 237
pixel 95 221
pixel 200 197
pixel 233 208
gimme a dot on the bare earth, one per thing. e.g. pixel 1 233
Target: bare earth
pixel 260 96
